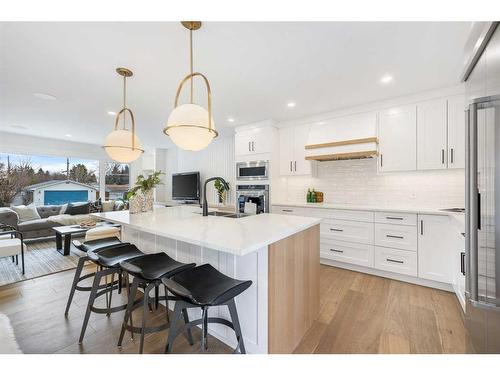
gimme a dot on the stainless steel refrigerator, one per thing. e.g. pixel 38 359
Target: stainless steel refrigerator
pixel 482 79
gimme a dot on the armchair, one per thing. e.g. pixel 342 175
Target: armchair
pixel 12 244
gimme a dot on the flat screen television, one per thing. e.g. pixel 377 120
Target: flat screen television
pixel 186 186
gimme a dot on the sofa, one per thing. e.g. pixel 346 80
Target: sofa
pixel 52 216
pixel 32 228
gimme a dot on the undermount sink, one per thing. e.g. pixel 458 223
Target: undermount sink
pixel 226 214
pixel 237 216
pixel 217 213
pixel 455 209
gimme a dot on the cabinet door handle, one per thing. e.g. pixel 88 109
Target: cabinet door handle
pixel 253 146
pixel 392 236
pixel 295 165
pixel 393 218
pixel 462 263
pixel 291 166
pixel 442 156
pixel 451 156
pixel 249 149
pixel 336 230
pixel 394 260
pixel 336 251
pixel 381 160
pixel 422 227
pixel 284 210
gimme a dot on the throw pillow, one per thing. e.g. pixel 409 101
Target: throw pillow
pixel 26 213
pixel 108 206
pixel 64 207
pixel 78 208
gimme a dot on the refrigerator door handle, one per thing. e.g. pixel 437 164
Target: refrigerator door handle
pixel 472 206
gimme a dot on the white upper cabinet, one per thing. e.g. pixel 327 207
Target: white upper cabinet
pixel 254 141
pixel 286 151
pixel 456 132
pixel 292 151
pixel 432 134
pixel 435 248
pixel 397 139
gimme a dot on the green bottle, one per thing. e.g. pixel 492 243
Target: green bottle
pixel 313 196
pixel 308 195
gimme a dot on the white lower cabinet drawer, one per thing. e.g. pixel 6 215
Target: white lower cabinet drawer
pixel 397 218
pixel 394 260
pixel 348 252
pixel 345 230
pixel 396 236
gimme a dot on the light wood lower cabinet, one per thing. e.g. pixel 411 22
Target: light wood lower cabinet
pixel 394 260
pixel 349 252
pixel 293 289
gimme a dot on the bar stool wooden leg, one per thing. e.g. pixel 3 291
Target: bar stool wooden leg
pixel 128 312
pixel 92 297
pixel 236 325
pixel 145 309
pixel 76 278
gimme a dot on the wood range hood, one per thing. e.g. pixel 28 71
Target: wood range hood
pixel 337 153
pixel 343 138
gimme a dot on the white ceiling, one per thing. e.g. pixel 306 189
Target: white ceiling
pixel 254 70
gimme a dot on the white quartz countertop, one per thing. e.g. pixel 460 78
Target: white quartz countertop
pixel 459 218
pixel 236 236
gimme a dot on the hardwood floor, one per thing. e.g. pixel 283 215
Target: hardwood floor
pixel 358 314
pixel 361 313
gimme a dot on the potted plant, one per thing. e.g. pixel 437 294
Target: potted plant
pixel 140 197
pixel 221 190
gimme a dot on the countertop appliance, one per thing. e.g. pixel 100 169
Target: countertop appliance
pixel 186 187
pixel 482 187
pixel 252 170
pixel 257 194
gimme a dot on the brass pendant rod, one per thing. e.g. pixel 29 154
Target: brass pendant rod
pixel 191 63
pixel 209 94
pixel 124 100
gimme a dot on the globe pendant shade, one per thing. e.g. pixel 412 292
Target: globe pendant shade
pixel 188 127
pixel 118 145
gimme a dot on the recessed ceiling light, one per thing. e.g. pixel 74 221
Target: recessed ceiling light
pixel 290 104
pixel 386 79
pixel 230 119
pixel 44 96
pixel 68 135
pixel 111 113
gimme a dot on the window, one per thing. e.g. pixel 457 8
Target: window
pixel 117 180
pixel 42 180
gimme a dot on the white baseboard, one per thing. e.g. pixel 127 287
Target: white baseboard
pixel 389 275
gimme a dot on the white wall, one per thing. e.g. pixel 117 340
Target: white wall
pixel 216 160
pixel 357 182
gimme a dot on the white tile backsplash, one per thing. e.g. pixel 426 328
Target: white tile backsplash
pixel 357 182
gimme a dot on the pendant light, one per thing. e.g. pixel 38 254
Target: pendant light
pixel 190 126
pixel 122 145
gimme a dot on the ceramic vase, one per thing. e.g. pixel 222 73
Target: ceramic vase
pixel 136 203
pixel 147 204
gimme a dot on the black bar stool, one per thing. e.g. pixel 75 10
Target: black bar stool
pixel 87 246
pixel 148 272
pixel 205 287
pixel 108 261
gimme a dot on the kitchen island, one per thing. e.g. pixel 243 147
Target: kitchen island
pixel 279 253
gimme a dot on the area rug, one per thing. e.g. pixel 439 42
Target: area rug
pixel 8 343
pixel 40 259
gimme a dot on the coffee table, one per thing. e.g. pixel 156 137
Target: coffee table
pixel 65 233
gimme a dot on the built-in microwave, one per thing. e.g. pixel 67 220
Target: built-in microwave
pixel 252 170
